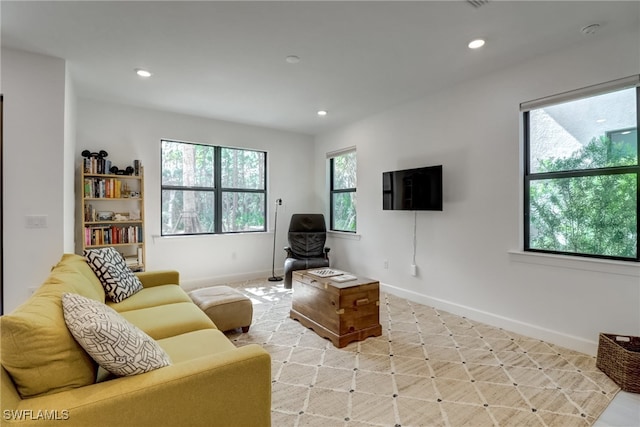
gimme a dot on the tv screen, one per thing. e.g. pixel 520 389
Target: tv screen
pixel 417 189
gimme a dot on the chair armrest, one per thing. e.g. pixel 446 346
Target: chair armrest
pixel 326 252
pixel 232 388
pixel 150 279
pixel 289 252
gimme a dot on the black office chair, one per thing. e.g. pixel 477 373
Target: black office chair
pixel 307 236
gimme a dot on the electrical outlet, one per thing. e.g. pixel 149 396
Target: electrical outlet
pixel 385 264
pixel 414 270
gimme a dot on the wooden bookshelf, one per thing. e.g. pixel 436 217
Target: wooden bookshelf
pixel 113 213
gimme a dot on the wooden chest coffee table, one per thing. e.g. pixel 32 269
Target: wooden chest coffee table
pixel 340 311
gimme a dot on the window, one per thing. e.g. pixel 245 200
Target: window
pixel 343 192
pixel 208 189
pixel 582 174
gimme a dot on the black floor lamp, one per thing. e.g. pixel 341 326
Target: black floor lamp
pixel 273 277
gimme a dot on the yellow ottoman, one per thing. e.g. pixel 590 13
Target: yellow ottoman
pixel 225 306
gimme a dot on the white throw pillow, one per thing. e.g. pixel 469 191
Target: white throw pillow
pixel 118 280
pixel 114 343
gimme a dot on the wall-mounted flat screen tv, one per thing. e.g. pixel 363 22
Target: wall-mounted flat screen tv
pixel 418 189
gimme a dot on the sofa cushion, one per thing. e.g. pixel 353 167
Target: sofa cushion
pixel 151 297
pixel 191 345
pixel 74 271
pixel 169 320
pixel 117 278
pixel 117 345
pixel 38 351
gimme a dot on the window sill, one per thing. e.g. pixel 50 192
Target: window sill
pixel 577 263
pixel 206 235
pixel 343 235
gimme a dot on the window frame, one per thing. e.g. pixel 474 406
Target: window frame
pixel 529 177
pixel 333 190
pixel 217 190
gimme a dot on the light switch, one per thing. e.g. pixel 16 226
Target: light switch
pixel 36 221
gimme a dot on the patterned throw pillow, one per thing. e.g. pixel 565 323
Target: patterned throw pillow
pixel 117 278
pixel 115 344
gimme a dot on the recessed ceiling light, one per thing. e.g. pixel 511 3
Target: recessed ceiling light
pixel 143 73
pixel 626 132
pixel 475 44
pixel 322 113
pixel 292 59
pixel 601 120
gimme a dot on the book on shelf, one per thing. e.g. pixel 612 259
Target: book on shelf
pixel 134 260
pixel 131 260
pixel 89 213
pixel 95 165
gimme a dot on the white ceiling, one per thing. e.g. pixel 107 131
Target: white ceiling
pixel 226 60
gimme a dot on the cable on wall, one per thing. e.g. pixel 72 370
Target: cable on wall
pixel 415 238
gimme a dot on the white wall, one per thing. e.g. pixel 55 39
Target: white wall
pixel 34 104
pixel 69 155
pixel 129 133
pixel 463 253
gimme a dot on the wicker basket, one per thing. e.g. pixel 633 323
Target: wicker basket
pixel 619 358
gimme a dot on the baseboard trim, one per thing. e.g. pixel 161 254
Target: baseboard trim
pixel 530 330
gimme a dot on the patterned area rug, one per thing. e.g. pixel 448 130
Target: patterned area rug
pixel 429 368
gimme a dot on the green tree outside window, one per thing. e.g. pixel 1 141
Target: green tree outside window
pixel 343 192
pixel 582 176
pixel 208 189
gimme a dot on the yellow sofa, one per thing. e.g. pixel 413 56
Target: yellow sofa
pixel 47 379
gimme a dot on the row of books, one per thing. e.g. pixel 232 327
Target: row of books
pixel 95 165
pixel 105 188
pixel 112 235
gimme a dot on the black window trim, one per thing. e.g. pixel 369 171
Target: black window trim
pixel 217 189
pixel 333 191
pixel 529 177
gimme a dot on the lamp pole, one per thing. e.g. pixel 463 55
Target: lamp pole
pixel 273 277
